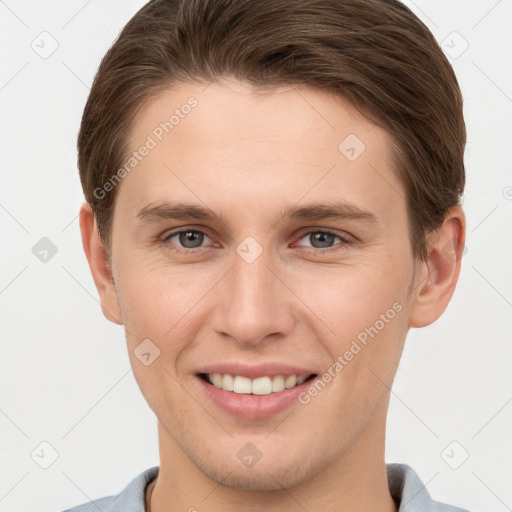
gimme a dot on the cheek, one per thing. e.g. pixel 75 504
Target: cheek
pixel 156 297
pixel 351 297
pixel 365 310
pixel 156 308
pixel 163 304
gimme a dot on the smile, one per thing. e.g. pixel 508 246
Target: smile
pixel 264 385
pixel 253 391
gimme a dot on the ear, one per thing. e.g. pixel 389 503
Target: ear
pixel 438 275
pixel 99 265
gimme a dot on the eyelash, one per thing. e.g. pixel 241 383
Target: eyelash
pixel 315 250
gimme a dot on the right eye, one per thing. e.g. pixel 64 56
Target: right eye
pixel 186 239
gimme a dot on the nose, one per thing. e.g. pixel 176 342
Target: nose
pixel 254 304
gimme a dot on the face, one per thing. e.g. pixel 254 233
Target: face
pixel 262 238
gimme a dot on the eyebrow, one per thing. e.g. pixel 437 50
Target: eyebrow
pixel 314 212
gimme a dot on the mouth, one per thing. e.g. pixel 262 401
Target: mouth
pixel 261 386
pixel 257 393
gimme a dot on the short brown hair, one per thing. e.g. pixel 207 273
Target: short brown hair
pixel 375 53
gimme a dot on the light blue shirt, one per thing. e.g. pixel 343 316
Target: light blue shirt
pixel 405 486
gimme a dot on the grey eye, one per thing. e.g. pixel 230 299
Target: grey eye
pixel 322 239
pixel 190 239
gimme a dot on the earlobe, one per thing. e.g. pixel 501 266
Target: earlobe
pixel 99 265
pixel 438 275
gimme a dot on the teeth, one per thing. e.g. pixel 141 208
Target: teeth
pixel 227 382
pixel 259 386
pixel 278 383
pixel 301 379
pixel 217 380
pixel 242 385
pixel 262 386
pixel 290 381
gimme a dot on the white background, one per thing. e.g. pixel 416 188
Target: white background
pixel 65 374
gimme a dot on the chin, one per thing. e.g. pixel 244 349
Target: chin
pixel 262 479
pixel 270 473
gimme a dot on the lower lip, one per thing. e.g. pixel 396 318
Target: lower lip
pixel 253 406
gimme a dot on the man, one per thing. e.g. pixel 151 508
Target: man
pixel 273 200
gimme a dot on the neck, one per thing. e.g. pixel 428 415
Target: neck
pixel 356 480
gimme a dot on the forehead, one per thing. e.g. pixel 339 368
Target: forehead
pixel 261 149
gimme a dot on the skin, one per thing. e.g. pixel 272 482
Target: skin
pixel 239 153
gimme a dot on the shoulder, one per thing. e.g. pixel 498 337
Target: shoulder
pixel 130 499
pixel 411 494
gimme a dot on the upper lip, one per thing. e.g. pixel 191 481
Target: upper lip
pixel 270 369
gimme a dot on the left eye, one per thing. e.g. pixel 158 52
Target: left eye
pixel 188 238
pixel 323 239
